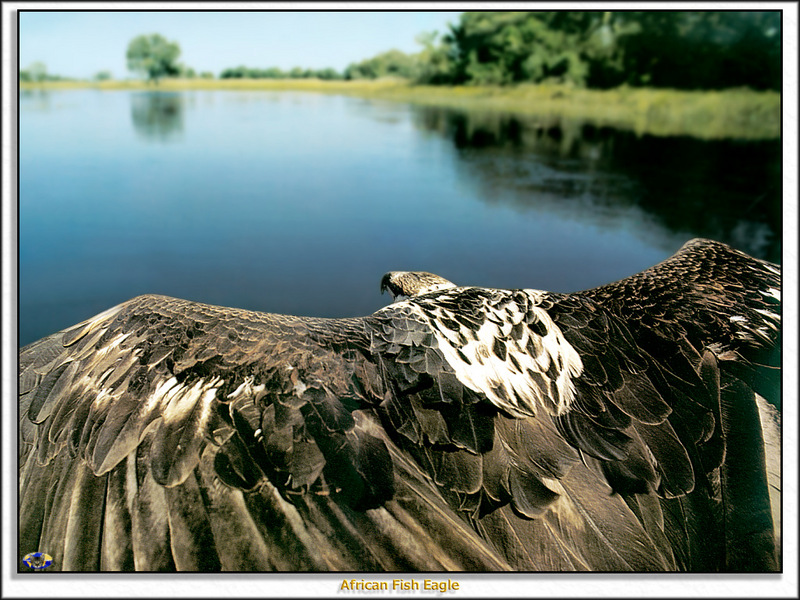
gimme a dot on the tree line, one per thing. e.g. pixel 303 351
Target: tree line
pixel 596 49
pixel 37 72
pixel 243 72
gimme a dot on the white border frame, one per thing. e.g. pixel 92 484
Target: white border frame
pixel 515 585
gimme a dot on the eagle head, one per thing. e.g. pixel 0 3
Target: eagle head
pixel 407 284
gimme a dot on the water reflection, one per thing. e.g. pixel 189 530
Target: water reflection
pixel 35 100
pixel 725 190
pixel 158 116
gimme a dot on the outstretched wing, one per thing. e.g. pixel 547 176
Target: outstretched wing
pixel 464 429
pixel 712 312
pixel 167 434
pixel 712 296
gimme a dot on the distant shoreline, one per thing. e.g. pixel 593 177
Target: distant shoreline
pixel 726 114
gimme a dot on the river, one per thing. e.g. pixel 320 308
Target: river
pixel 298 202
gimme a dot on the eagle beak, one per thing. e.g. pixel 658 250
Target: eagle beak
pixel 385 285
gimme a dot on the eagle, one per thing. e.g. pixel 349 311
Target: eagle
pixel 628 427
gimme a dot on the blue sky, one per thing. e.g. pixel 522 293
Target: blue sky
pixel 79 44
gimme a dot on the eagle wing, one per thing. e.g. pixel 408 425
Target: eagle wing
pixel 463 429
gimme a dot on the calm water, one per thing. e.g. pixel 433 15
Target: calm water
pixel 298 203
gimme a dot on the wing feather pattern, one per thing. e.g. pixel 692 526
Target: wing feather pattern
pixel 459 429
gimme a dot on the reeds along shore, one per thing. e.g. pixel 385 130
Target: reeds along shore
pixel 738 113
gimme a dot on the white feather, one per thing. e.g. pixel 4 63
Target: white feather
pixel 485 372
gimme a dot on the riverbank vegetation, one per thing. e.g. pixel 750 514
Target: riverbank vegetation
pixel 737 113
pixel 595 49
pixel 707 74
pixel 605 49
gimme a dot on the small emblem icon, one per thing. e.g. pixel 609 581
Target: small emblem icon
pixel 38 560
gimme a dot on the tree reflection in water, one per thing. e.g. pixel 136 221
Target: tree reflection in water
pixel 35 100
pixel 158 116
pixel 725 190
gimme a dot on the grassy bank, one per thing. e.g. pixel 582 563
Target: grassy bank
pixel 735 114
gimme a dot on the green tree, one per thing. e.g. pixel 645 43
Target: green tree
pixel 701 49
pixel 680 49
pixel 38 71
pixel 274 73
pixel 153 56
pixel 510 47
pixel 393 63
pixel 277 73
pixel 328 73
pixel 102 76
pixel 234 73
pixel 435 61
